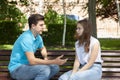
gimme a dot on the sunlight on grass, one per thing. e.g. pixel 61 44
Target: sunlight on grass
pixel 110 48
pixel 6 47
pixel 59 48
pixel 9 47
pixel 106 44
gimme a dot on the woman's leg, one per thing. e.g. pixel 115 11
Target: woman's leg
pixel 94 73
pixel 65 76
pixel 36 72
pixel 54 70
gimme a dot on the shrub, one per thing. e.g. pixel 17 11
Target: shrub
pixel 9 31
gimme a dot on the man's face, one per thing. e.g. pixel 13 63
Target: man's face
pixel 39 27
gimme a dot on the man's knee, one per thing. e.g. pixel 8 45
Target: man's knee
pixel 55 68
pixel 42 70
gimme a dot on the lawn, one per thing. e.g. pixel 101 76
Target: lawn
pixel 110 44
pixel 6 47
pixel 106 44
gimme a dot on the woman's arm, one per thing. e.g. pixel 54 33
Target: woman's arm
pixel 76 65
pixel 92 58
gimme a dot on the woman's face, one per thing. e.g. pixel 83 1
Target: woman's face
pixel 79 29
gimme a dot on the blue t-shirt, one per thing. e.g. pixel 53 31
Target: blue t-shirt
pixel 25 43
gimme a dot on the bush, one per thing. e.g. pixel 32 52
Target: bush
pixel 9 31
pixel 55 34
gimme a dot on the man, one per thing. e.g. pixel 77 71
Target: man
pixel 23 64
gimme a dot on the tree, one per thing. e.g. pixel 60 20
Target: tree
pixel 9 11
pixel 106 8
pixel 92 15
pixel 118 9
pixel 64 31
pixel 103 9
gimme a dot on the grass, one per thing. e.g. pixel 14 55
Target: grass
pixel 106 44
pixel 6 47
pixel 110 44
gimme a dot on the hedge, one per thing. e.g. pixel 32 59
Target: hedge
pixel 9 31
pixel 55 34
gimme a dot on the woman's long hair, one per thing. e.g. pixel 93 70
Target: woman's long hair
pixel 85 37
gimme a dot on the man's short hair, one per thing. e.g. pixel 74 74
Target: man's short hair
pixel 34 18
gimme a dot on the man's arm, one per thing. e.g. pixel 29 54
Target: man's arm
pixel 44 52
pixel 35 61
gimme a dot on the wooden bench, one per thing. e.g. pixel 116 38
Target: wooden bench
pixel 111 65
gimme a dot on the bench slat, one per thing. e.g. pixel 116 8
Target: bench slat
pixel 111 64
pixel 107 59
pixel 111 75
pixel 4 70
pixel 111 70
pixel 4 58
pixel 3 63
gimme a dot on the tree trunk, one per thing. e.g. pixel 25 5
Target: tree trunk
pixel 92 16
pixel 64 31
pixel 118 9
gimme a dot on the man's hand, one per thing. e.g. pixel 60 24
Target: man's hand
pixel 60 61
pixel 45 58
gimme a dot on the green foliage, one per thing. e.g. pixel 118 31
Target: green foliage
pixel 55 25
pixel 106 8
pixel 52 17
pixel 9 31
pixel 24 2
pixel 105 3
pixel 55 34
pixel 9 11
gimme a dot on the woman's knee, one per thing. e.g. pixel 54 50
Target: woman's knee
pixel 65 76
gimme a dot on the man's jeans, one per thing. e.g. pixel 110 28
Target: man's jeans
pixel 36 72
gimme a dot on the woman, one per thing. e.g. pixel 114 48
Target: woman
pixel 87 64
